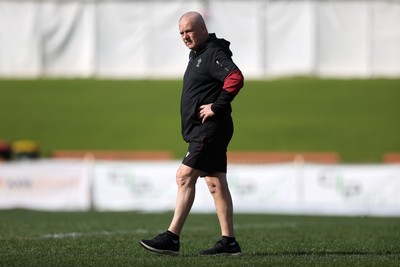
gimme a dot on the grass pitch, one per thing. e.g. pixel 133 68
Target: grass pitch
pixel 29 238
pixel 359 119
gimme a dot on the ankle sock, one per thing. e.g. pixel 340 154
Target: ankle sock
pixel 229 239
pixel 174 236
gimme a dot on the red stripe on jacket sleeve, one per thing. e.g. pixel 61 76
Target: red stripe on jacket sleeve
pixel 233 82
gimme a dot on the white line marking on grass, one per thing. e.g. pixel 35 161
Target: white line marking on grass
pixel 63 235
pixel 270 225
pixel 267 225
pixel 145 231
pixel 102 233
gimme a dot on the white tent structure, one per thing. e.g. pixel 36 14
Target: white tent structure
pixel 140 39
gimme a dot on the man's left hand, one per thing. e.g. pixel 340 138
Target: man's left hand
pixel 205 112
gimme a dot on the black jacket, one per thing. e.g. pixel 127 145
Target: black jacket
pixel 203 84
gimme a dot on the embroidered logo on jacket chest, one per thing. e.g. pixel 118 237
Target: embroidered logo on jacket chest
pixel 198 63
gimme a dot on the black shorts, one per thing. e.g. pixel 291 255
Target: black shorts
pixel 208 154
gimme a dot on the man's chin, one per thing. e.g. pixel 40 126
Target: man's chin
pixel 191 46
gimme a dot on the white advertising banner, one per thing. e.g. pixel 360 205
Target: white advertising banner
pixel 144 186
pixel 44 185
pixel 274 188
pixel 347 189
pixel 290 188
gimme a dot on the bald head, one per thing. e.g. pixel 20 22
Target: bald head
pixel 193 30
pixel 194 17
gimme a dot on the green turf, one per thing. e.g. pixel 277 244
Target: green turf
pixel 359 119
pixel 29 238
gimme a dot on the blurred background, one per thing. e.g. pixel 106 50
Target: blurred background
pixel 98 82
pixel 139 39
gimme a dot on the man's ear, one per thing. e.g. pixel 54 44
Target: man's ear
pixel 204 28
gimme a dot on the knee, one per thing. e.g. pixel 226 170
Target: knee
pixel 217 185
pixel 184 179
pixel 214 188
pixel 181 180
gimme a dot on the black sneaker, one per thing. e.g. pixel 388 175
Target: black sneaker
pixel 223 247
pixel 163 243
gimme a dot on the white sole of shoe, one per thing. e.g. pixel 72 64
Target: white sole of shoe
pixel 223 254
pixel 165 252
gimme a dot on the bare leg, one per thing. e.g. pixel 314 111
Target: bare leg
pixel 186 178
pixel 218 186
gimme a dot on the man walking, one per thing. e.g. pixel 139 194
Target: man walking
pixel 210 83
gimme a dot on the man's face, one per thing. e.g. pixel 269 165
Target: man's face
pixel 192 35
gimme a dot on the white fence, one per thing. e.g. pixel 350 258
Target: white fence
pixel 150 186
pixel 139 39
